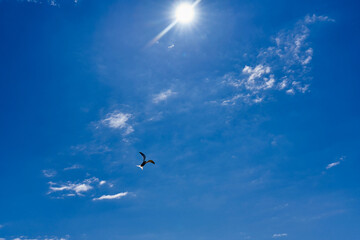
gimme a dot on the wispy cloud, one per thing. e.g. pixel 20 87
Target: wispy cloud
pixel 282 67
pixel 332 164
pixel 78 188
pixel 163 96
pixel 49 2
pixel 54 3
pixel 314 18
pixel 40 238
pixel 73 188
pixel 118 120
pixel 253 75
pixel 49 173
pixel 279 235
pixel 232 101
pixel 73 167
pixel 109 197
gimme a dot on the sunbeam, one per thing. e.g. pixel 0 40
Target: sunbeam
pixel 184 14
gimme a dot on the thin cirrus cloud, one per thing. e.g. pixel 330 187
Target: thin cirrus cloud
pixel 50 2
pixel 331 165
pixel 279 235
pixel 54 3
pixel 162 96
pixel 49 173
pixel 70 189
pixel 282 67
pixel 73 167
pixel 110 197
pixel 40 238
pixel 118 120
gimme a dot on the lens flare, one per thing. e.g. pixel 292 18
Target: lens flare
pixel 184 13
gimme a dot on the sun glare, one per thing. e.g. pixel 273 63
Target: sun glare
pixel 184 13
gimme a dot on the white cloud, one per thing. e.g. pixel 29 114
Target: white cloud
pixel 49 173
pixel 118 120
pixel 308 56
pixel 279 235
pixel 233 100
pixel 257 78
pixel 290 91
pixel 73 167
pixel 50 2
pixel 78 188
pixel 171 46
pixel 54 3
pixel 40 238
pixel 314 18
pixel 285 66
pixel 257 72
pixel 72 189
pixel 102 182
pixel 258 100
pixel 163 96
pixel 332 164
pixel 109 197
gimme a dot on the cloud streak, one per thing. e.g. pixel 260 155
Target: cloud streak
pixel 331 165
pixel 279 235
pixel 72 189
pixel 110 197
pixel 54 3
pixel 49 173
pixel 163 96
pixel 40 238
pixel 73 167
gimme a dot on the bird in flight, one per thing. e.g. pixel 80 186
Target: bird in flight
pixel 144 162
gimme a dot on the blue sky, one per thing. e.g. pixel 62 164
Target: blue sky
pixel 251 113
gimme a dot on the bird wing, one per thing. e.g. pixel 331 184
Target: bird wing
pixel 143 155
pixel 151 161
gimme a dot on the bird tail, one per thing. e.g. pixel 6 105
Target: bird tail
pixel 140 166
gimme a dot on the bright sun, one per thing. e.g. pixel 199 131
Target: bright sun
pixel 184 13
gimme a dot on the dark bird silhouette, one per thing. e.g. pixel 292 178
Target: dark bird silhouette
pixel 144 162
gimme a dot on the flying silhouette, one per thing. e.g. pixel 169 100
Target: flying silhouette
pixel 144 162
